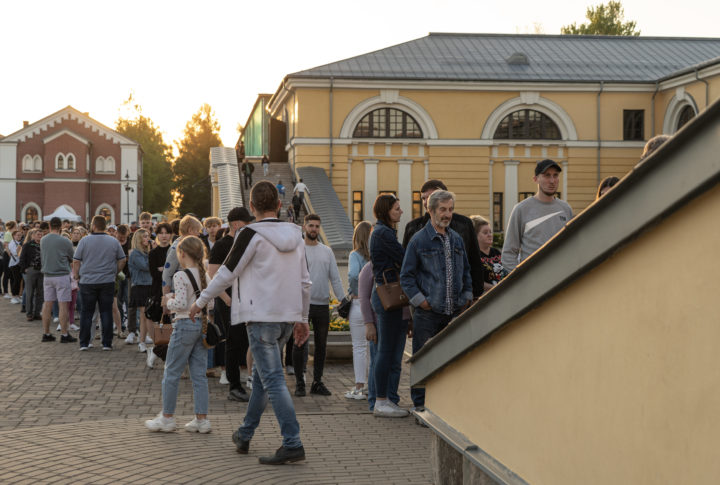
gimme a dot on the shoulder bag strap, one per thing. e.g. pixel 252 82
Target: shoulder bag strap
pixel 194 285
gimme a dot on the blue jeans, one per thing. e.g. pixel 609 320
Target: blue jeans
pixel 100 294
pixel 185 347
pixel 266 341
pixel 391 333
pixel 426 324
pixel 393 380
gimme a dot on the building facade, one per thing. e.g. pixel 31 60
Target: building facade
pixel 68 159
pixel 479 110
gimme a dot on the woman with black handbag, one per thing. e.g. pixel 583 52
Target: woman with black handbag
pixel 386 255
pixel 156 261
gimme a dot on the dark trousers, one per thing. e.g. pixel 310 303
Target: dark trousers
pixel 319 318
pixel 248 180
pixel 5 273
pixel 289 352
pixel 100 294
pixel 15 280
pixel 426 324
pixel 123 299
pixel 34 291
pixel 236 344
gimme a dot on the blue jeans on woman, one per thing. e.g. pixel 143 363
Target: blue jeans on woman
pixel 267 339
pixel 185 347
pixel 391 334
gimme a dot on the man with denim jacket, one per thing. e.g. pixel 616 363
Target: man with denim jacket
pixel 435 276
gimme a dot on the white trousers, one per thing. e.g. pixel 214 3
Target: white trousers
pixel 359 343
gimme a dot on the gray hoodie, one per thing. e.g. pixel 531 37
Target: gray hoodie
pixel 268 272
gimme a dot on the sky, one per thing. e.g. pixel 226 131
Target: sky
pixel 174 56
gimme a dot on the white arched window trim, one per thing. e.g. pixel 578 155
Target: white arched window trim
pixel 535 102
pixel 109 207
pixel 60 162
pixel 29 205
pixel 391 100
pixel 110 165
pixel 675 107
pixel 28 164
pixel 100 165
pixel 37 163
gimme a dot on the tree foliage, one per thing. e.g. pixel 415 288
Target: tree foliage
pixel 157 176
pixel 604 20
pixel 192 166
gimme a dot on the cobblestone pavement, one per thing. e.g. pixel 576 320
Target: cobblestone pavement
pixel 77 417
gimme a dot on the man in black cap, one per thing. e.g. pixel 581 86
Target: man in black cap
pixel 236 345
pixel 536 219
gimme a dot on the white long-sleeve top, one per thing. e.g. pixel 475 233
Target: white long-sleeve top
pixel 184 295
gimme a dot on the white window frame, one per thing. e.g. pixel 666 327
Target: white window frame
pixel 29 205
pixel 105 205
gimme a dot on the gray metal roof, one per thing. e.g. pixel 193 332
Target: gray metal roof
pixel 683 168
pixel 335 222
pixel 484 57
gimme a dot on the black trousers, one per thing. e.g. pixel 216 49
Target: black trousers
pixel 319 317
pixel 15 280
pixel 236 344
pixel 248 180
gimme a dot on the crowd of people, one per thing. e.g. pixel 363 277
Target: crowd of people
pixel 233 272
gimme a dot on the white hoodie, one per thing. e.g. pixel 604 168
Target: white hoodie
pixel 268 266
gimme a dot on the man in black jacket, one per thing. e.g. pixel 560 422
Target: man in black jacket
pixel 462 225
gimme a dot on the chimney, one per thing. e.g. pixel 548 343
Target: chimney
pixel 26 124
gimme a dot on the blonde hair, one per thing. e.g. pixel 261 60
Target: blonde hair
pixel 30 235
pixel 188 223
pixel 213 221
pixel 361 239
pixel 478 223
pixel 194 248
pixel 137 241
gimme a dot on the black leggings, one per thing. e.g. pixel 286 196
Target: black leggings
pixel 15 280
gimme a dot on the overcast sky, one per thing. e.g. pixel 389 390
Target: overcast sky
pixel 177 55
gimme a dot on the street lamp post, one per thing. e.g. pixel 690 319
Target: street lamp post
pixel 128 189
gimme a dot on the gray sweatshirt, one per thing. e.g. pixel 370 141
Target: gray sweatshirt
pixel 323 270
pixel 532 223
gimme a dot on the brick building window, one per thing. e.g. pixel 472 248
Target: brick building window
pixel 65 163
pixel 32 164
pixel 105 165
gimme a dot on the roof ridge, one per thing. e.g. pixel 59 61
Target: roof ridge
pixel 614 37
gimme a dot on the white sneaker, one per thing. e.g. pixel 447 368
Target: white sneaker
pixel 7 295
pixel 355 394
pixel 56 320
pixel 15 301
pixel 148 340
pixel 198 426
pixel 161 423
pixel 388 409
pixel 150 359
pixel 223 379
pixel 59 328
pixel 248 382
pixel 90 345
pixel 74 327
pixel 130 338
pixel 142 347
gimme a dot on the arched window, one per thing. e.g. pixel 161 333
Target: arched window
pixel 27 164
pixel 527 124
pixel 105 165
pixel 70 161
pixel 31 214
pixel 686 114
pixel 107 212
pixel 37 163
pixel 60 162
pixel 387 123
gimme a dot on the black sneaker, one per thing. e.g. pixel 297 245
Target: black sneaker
pixel 319 388
pixel 283 455
pixel 241 446
pixel 239 394
pixel 22 309
pixel 66 339
pixel 48 337
pixel 300 389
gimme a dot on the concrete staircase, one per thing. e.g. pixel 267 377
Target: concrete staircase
pixel 277 172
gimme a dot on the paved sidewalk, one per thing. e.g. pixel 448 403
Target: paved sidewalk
pixel 77 417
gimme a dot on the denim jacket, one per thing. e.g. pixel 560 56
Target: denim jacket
pixel 423 270
pixel 139 268
pixel 386 253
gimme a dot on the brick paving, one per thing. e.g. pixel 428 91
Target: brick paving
pixel 77 417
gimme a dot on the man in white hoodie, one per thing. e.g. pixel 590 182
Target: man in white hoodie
pixel 271 295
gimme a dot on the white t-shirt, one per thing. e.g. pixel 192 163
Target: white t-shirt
pixel 300 187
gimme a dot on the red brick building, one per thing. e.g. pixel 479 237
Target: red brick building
pixel 69 159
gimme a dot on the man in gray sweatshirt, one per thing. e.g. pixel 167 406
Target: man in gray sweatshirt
pixel 536 219
pixel 323 270
pixel 56 255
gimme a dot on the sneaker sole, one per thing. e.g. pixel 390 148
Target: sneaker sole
pixel 197 430
pixel 284 462
pixel 381 415
pixel 161 430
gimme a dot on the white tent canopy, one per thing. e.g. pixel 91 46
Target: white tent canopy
pixel 63 213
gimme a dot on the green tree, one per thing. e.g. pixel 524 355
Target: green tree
pixel 604 20
pixel 192 166
pixel 157 177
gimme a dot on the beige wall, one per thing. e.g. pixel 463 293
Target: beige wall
pixel 613 380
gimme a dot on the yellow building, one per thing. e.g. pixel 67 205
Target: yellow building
pixel 479 110
pixel 596 360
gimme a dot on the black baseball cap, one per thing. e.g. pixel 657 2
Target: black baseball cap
pixel 240 214
pixel 542 166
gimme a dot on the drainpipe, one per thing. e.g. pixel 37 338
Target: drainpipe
pixel 652 108
pixel 88 165
pixel 294 133
pixel 331 128
pixel 707 87
pixel 602 86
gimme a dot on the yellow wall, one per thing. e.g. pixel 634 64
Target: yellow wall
pixel 612 380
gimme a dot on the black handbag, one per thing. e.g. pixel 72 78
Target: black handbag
pixel 153 309
pixel 344 306
pixel 212 332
